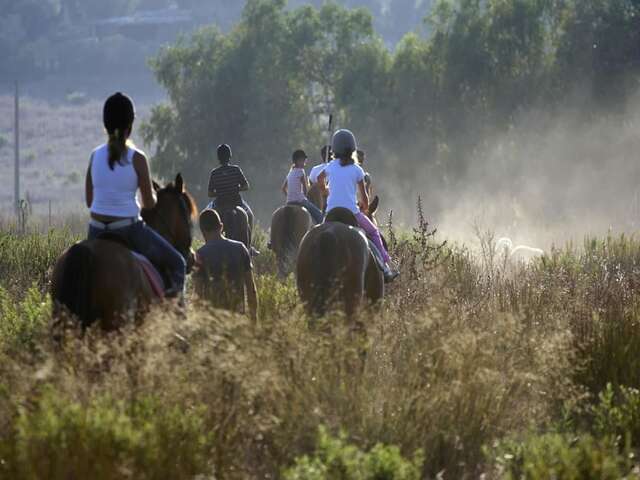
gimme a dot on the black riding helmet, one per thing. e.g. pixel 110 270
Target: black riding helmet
pixel 119 113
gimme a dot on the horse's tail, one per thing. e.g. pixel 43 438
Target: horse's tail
pixel 325 268
pixel 234 227
pixel 77 283
pixel 289 245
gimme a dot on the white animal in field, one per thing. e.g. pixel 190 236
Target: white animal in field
pixel 520 253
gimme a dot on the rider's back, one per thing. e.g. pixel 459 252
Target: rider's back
pixel 343 181
pixel 114 190
pixel 223 264
pixel 226 181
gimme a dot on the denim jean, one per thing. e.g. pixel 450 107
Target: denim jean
pixel 146 241
pixel 314 211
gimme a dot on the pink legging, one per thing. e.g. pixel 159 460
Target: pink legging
pixel 373 233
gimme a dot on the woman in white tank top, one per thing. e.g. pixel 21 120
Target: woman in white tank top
pixel 117 170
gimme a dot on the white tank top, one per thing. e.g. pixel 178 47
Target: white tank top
pixel 114 191
pixel 294 185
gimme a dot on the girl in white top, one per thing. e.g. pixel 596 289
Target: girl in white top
pixel 296 185
pixel 117 170
pixel 346 180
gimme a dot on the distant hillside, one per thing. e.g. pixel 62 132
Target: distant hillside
pixel 85 38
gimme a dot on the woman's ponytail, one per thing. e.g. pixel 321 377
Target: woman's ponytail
pixel 117 146
pixel 118 116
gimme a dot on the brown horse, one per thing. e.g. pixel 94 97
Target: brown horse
pixel 336 267
pixel 317 196
pixel 288 225
pixel 100 280
pixel 236 224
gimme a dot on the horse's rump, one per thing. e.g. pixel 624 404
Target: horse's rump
pixel 236 223
pixel 332 267
pixel 289 224
pixel 100 280
pixel 74 289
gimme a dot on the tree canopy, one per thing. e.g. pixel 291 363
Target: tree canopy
pixel 267 86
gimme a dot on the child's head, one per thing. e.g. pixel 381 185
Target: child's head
pixel 210 223
pixel 299 158
pixel 224 154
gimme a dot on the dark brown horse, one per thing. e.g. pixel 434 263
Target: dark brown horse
pixel 100 280
pixel 336 268
pixel 288 225
pixel 236 224
pixel 317 196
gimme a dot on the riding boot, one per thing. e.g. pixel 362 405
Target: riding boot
pixel 389 273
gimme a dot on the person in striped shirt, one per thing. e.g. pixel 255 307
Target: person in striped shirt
pixel 226 182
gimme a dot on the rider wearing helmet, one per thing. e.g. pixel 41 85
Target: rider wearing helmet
pixel 345 180
pixel 117 170
pixel 226 182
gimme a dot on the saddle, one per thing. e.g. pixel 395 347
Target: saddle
pixel 151 273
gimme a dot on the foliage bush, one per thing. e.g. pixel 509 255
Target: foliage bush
pixel 28 258
pixel 335 459
pixel 58 438
pixel 617 414
pixel 23 325
pixel 563 457
pixel 466 351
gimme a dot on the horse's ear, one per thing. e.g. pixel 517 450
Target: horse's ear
pixel 373 206
pixel 179 183
pixel 156 187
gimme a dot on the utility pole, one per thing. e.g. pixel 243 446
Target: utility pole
pixel 17 150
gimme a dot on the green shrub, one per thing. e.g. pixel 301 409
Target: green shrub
pixel 57 438
pixel 29 258
pixel 562 457
pixel 335 459
pixel 617 414
pixel 23 324
pixel 277 297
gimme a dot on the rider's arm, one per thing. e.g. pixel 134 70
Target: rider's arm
pixel 364 196
pixel 305 183
pixel 88 185
pixel 243 183
pixel 285 187
pixel 147 194
pixel 211 189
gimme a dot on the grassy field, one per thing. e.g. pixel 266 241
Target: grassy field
pixel 472 366
pixel 56 141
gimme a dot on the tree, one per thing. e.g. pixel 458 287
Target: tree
pixel 256 88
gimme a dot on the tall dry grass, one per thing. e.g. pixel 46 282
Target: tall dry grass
pixel 474 364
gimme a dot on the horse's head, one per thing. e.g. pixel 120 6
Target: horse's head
pixel 173 217
pixel 373 208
